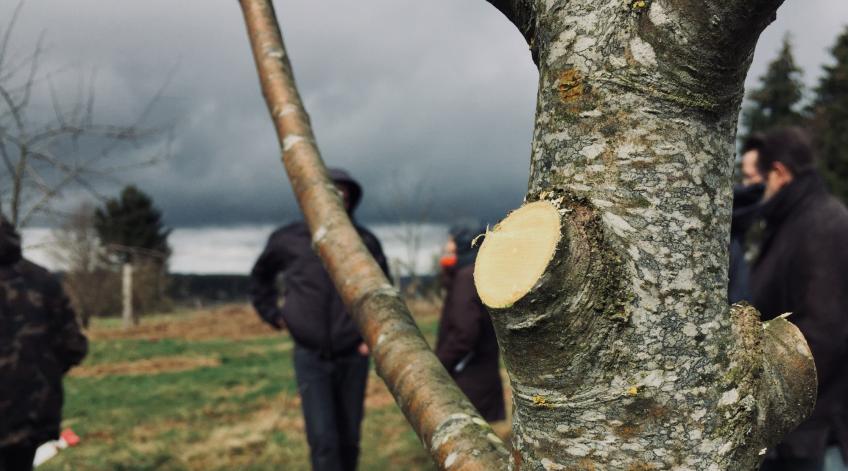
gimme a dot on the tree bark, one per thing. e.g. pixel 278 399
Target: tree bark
pixel 448 425
pixel 623 354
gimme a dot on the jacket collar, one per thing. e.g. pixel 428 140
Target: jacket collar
pixel 747 206
pixel 792 197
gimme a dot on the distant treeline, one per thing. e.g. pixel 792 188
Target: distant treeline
pixel 196 288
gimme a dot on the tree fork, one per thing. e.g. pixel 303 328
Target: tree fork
pixel 448 425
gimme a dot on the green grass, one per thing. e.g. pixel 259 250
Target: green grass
pixel 242 414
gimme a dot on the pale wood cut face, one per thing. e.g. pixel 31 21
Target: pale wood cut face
pixel 515 253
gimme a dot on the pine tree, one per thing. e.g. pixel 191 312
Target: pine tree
pixel 830 119
pixel 131 224
pixel 775 102
pixel 131 229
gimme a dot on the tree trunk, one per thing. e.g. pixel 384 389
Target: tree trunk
pixel 608 288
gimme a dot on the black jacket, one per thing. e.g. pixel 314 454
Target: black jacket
pixel 40 340
pixel 802 269
pixel 746 211
pixel 466 344
pixel 312 309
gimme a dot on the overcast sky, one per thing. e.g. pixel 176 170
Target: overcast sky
pixel 430 104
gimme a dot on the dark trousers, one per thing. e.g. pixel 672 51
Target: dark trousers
pixel 332 393
pixel 16 458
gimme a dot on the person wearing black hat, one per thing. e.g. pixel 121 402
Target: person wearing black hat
pixel 330 358
pixel 466 344
pixel 40 340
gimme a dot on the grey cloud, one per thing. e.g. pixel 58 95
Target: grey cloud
pixel 438 94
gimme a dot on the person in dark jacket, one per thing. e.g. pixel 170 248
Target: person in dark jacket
pixel 746 211
pixel 40 340
pixel 466 344
pixel 330 358
pixel 801 270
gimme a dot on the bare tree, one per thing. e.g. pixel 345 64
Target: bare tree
pixel 45 153
pixel 608 288
pixel 409 203
pixel 90 282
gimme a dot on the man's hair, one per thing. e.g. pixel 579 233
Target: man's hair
pixel 754 142
pixel 789 146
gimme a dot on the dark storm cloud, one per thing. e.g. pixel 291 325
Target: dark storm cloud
pixel 436 96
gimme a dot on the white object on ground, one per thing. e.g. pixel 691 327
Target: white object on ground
pixel 50 449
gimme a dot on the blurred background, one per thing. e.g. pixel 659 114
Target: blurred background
pixel 429 104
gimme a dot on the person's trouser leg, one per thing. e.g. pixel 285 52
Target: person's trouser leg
pixel 350 380
pixel 17 458
pixel 315 384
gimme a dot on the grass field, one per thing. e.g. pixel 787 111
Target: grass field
pixel 210 390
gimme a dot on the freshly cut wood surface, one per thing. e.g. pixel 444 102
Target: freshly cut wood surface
pixel 515 254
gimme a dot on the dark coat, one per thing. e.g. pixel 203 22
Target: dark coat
pixel 40 340
pixel 468 348
pixel 313 311
pixel 802 269
pixel 746 211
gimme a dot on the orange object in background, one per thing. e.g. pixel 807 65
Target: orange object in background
pixel 447 261
pixel 71 438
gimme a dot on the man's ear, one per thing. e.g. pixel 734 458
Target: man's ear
pixel 783 172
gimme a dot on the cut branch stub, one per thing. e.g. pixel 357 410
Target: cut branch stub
pixel 551 282
pixel 516 253
pixel 771 363
pixel 789 377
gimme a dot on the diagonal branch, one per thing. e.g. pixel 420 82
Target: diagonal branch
pixel 453 432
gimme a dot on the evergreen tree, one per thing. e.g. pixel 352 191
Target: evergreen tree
pixel 830 119
pixel 131 222
pixel 775 102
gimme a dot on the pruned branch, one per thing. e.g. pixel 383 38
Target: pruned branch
pixel 448 425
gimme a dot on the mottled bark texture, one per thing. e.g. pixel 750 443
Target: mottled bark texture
pixel 625 355
pixel 455 435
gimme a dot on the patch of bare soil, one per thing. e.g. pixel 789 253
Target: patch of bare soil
pixel 228 322
pixel 145 367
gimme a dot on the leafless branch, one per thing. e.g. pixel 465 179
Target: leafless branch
pixel 7 35
pixel 44 157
